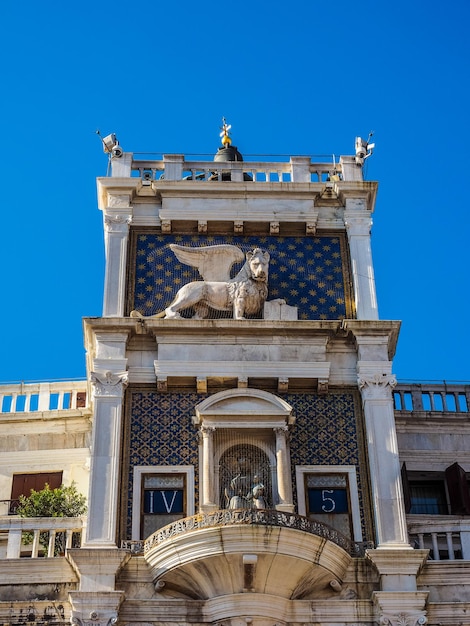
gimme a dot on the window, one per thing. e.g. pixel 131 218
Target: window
pixel 23 483
pixel 163 501
pixel 162 495
pixel 436 493
pixel 428 497
pixel 328 494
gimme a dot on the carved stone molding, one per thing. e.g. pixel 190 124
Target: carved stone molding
pixel 117 223
pixel 108 384
pixel 121 201
pixel 162 384
pixel 310 228
pixel 95 608
pixel 417 618
pixel 166 226
pixel 202 226
pixel 95 618
pixel 201 384
pixel 207 431
pixel 238 227
pixel 377 387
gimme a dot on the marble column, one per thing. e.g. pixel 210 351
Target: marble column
pixel 284 482
pixel 384 466
pixel 108 391
pixel 208 503
pixel 358 222
pixel 117 219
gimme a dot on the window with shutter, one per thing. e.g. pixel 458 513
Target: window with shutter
pixel 23 483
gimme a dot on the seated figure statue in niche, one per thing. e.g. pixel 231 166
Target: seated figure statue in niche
pixel 238 497
pixel 245 294
pixel 257 495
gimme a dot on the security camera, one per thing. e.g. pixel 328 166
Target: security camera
pixel 147 178
pixel 117 151
pixel 363 149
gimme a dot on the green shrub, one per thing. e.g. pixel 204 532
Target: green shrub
pixel 60 502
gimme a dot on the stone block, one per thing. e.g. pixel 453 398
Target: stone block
pixel 279 310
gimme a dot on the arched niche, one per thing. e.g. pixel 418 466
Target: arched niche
pixel 257 420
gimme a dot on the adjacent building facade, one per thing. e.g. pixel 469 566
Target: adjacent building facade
pixel 247 454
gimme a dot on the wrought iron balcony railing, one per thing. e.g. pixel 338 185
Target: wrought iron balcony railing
pixel 258 517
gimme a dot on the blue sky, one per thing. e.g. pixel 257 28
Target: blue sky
pixel 292 78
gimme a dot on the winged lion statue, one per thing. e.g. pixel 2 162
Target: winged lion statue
pixel 244 294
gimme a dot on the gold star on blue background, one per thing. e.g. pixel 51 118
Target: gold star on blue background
pixel 306 272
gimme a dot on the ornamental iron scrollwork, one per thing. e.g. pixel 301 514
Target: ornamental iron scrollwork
pixel 256 517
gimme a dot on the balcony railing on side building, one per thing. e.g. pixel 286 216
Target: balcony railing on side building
pixel 432 398
pixel 446 539
pixel 33 397
pixel 39 536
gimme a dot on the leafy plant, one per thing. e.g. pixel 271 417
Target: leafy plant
pixel 60 502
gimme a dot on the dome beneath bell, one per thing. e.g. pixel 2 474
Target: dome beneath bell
pixel 228 153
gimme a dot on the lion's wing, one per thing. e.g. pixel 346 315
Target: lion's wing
pixel 213 262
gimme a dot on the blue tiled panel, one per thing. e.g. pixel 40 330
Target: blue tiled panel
pixel 326 432
pixel 307 272
pixel 161 433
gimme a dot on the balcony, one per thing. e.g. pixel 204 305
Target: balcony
pixel 248 551
pixel 47 537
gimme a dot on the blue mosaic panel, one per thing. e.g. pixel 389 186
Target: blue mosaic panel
pixel 306 272
pixel 161 433
pixel 326 432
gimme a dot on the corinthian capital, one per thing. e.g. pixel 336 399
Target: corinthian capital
pixel 117 222
pixel 109 384
pixel 95 619
pixel 403 619
pixel 207 431
pixel 377 386
pixel 358 223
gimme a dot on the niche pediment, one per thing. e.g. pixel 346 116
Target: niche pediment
pixel 244 407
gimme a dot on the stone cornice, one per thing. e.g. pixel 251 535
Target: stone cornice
pixel 342 328
pixel 371 331
pixel 343 190
pixel 69 417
